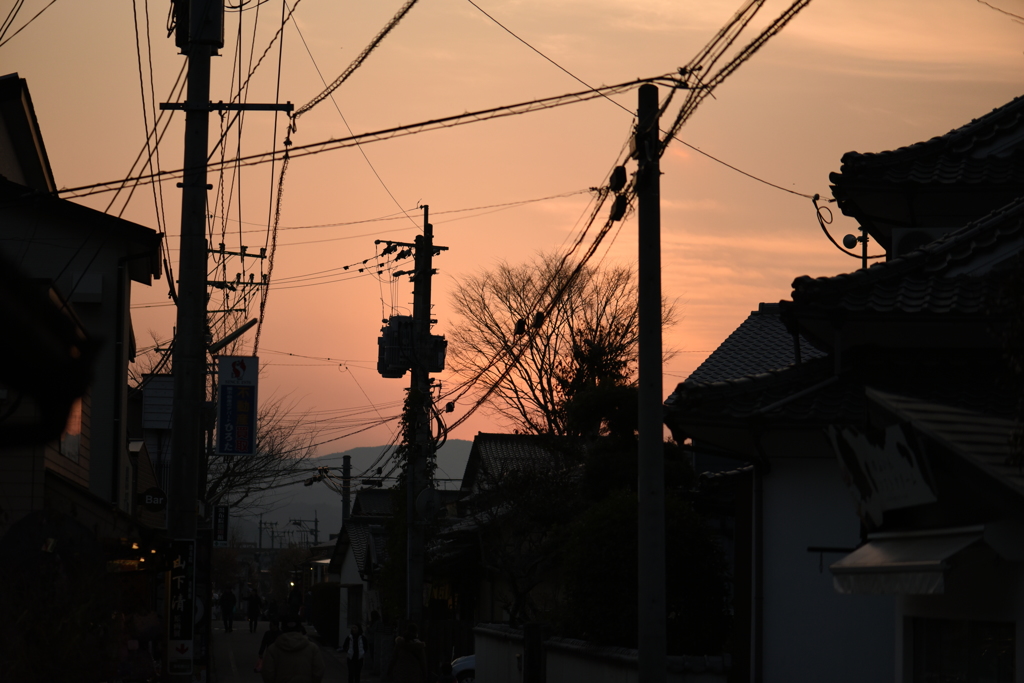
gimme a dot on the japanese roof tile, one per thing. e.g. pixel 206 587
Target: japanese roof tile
pixel 989 149
pixel 497 454
pixel 811 394
pixel 943 276
pixel 760 343
pixel 797 393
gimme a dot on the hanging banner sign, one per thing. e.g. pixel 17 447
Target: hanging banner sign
pixel 236 404
pixel 181 606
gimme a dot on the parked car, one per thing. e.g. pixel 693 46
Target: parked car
pixel 464 669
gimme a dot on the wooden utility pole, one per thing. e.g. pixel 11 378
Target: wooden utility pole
pixel 651 610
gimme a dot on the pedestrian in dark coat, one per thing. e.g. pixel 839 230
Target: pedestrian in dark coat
pixel 254 609
pixel 292 658
pixel 354 648
pixel 294 610
pixel 227 608
pixel 409 661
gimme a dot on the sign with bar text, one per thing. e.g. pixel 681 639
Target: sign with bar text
pixel 236 404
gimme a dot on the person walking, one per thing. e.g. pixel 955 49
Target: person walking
pixel 354 648
pixel 254 606
pixel 292 658
pixel 268 639
pixel 409 661
pixel 227 608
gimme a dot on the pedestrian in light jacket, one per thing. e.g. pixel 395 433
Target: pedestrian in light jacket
pixel 354 648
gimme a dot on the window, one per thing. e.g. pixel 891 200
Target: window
pixel 70 440
pixel 960 651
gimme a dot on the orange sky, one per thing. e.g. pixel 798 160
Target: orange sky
pixel 865 75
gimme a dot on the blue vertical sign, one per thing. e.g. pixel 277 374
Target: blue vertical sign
pixel 236 404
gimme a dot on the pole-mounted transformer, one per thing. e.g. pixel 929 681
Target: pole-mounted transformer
pixel 198 21
pixel 400 349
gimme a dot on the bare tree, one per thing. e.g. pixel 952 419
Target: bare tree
pixel 539 364
pixel 284 442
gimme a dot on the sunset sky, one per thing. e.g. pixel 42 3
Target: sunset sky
pixel 864 75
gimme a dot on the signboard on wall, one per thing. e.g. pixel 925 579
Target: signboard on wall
pixel 220 526
pixel 236 404
pixel 181 607
pixel 881 470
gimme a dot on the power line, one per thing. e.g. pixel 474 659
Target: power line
pixel 401 216
pixel 389 133
pixel 345 121
pixel 356 63
pixel 14 11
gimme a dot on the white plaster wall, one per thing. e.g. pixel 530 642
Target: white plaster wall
pixel 812 633
pixel 349 577
pixel 496 659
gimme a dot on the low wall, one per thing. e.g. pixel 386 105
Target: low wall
pixel 569 659
pixel 500 653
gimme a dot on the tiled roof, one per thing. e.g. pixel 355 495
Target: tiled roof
pixel 940 277
pixel 810 394
pixel 986 150
pixel 963 295
pixel 360 535
pixel 494 455
pixel 798 393
pixel 759 344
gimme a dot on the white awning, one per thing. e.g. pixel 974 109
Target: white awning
pixel 902 563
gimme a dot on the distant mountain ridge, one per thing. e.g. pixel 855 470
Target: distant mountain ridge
pixel 300 502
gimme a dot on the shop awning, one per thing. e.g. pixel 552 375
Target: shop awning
pixel 902 563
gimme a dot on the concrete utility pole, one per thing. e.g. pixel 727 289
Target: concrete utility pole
pixel 651 625
pixel 411 347
pixel 419 393
pixel 199 34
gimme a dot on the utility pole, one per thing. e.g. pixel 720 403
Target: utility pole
pixel 407 344
pixel 651 622
pixel 419 395
pixel 346 488
pixel 200 34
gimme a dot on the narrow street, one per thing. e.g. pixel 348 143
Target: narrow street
pixel 234 656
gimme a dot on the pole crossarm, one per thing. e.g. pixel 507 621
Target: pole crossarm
pixel 227 106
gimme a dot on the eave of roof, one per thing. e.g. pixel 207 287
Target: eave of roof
pixel 940 277
pixel 992 140
pixel 980 439
pixel 142 243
